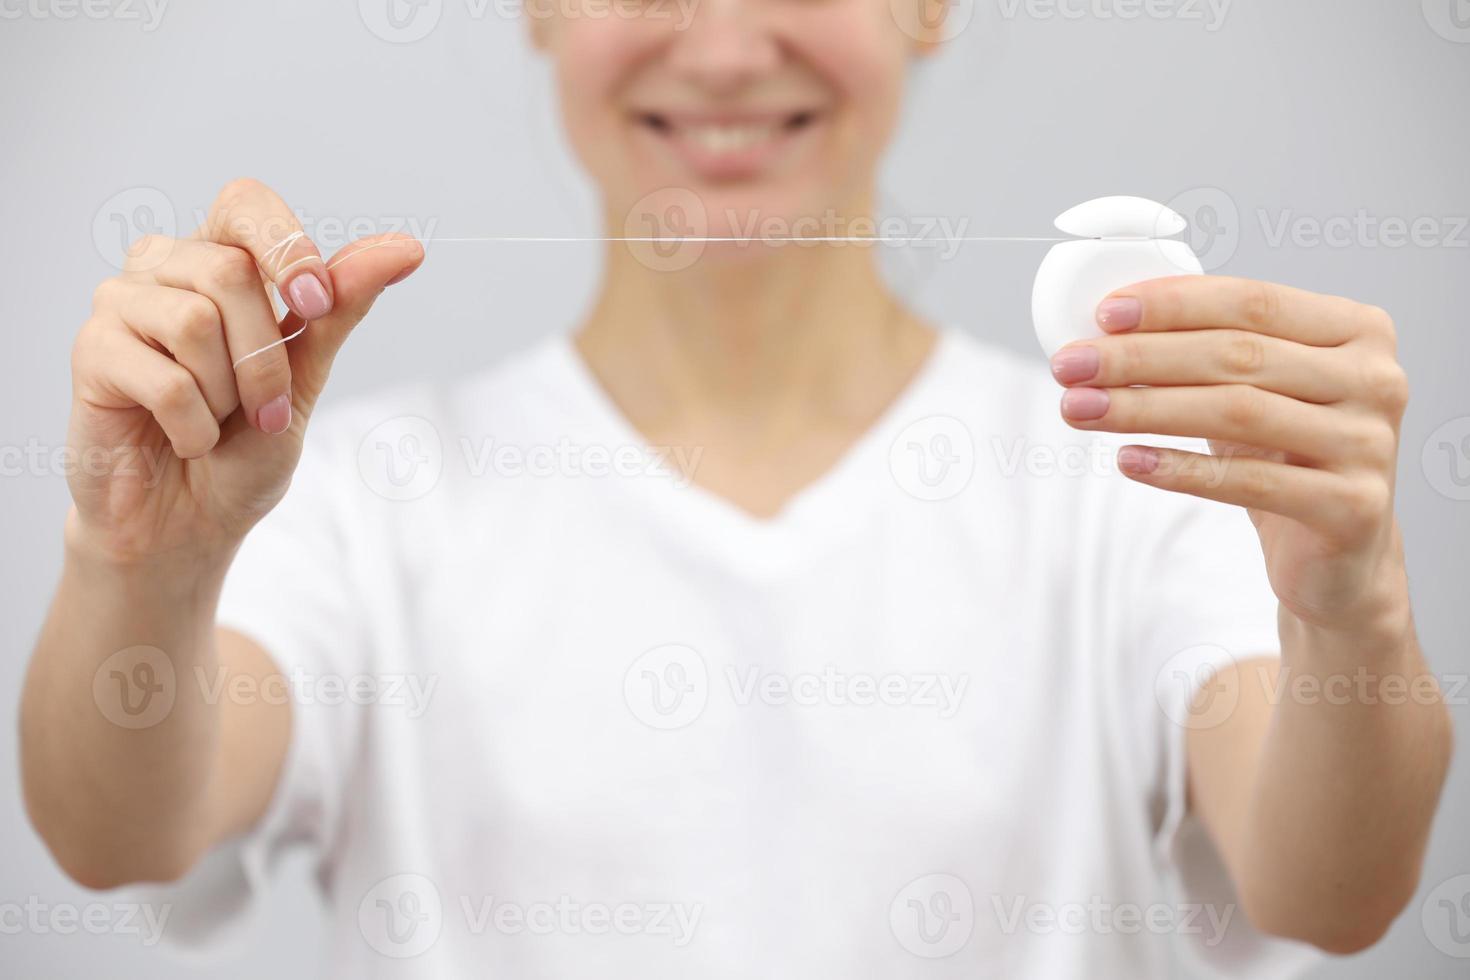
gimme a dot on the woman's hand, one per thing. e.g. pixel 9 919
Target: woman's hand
pixel 1300 396
pixel 183 441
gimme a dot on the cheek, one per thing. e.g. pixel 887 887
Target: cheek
pixel 856 47
pixel 593 58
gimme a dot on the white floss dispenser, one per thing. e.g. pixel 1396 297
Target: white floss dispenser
pixel 1122 240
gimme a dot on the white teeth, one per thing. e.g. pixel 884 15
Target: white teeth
pixel 728 139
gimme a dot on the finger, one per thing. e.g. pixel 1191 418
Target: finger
pixel 360 273
pixel 1205 302
pixel 249 215
pixel 1319 499
pixel 1235 413
pixel 136 373
pixel 1206 357
pixel 229 278
pixel 186 325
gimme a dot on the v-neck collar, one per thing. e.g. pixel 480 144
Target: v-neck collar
pixel 832 504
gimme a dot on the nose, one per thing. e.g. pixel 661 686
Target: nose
pixel 726 45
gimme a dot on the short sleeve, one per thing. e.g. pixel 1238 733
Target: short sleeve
pixel 1204 603
pixel 291 590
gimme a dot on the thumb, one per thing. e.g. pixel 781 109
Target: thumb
pixel 360 272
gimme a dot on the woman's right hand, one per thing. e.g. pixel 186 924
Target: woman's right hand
pixel 181 446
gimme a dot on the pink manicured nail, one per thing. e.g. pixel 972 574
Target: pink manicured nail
pixel 1138 459
pixel 275 415
pixel 1075 364
pixel 1117 315
pixel 309 297
pixel 1084 404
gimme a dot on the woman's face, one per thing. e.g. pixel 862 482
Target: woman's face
pixel 730 118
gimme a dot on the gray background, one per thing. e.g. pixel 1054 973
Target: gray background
pixel 1298 112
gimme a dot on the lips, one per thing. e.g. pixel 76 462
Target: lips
pixel 729 146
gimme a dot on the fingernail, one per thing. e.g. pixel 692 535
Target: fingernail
pixel 1116 315
pixel 1138 459
pixel 1084 404
pixel 275 415
pixel 1075 364
pixel 309 297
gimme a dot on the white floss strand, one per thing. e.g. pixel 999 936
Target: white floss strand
pixel 277 252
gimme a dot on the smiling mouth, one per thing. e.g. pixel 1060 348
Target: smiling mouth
pixel 729 135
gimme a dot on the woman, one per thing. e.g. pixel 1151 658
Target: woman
pixel 875 695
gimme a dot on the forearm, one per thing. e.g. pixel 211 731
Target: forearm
pixel 1346 785
pixel 115 776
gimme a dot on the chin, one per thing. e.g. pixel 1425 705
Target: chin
pixel 770 212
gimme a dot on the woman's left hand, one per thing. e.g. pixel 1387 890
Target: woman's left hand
pixel 1300 396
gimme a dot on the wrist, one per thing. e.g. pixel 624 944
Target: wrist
pixel 1379 615
pixel 1382 633
pixel 198 564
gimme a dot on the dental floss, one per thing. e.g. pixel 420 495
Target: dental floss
pixel 279 250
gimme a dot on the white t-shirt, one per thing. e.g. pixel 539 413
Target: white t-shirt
pixel 560 713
